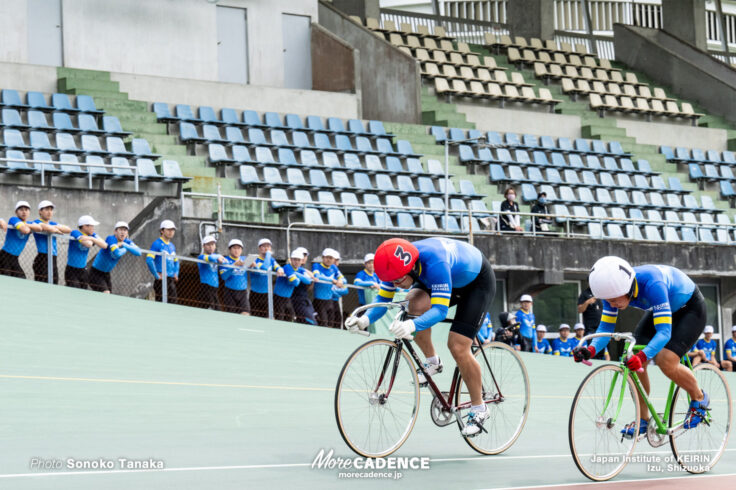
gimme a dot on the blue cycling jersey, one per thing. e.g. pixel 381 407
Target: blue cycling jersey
pixel 258 280
pixel 41 239
pixel 563 348
pixel 729 349
pixel 659 288
pixel 323 290
pixel 444 265
pixel 108 258
pixel 208 272
pixel 15 241
pixel 365 279
pixel 543 346
pixel 284 286
pixel 708 348
pixel 77 254
pixel 486 330
pixel 527 323
pixel 154 260
pixel 236 278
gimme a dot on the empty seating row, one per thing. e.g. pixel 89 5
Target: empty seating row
pixel 189 133
pixel 350 162
pixel 271 120
pixel 580 215
pixel 625 104
pixel 378 219
pixel 655 233
pixel 437 32
pixel 59 102
pixel 527 57
pixel 532 142
pixel 493 91
pixel 361 182
pixel 501 42
pixel 66 142
pixel 583 87
pixel 412 41
pixel 683 155
pixel 61 121
pixel 472 74
pixel 69 165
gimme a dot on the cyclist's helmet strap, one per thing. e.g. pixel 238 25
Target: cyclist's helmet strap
pixel 394 259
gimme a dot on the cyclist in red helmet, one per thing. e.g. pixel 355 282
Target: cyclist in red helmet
pixel 441 273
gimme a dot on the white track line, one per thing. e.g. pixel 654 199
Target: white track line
pixel 250 330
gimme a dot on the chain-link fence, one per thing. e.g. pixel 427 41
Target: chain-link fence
pixel 180 280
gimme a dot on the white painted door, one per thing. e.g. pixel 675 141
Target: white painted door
pixel 44 32
pixel 232 44
pixel 297 51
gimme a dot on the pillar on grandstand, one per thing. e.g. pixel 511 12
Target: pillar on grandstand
pixel 685 19
pixel 531 18
pixel 361 8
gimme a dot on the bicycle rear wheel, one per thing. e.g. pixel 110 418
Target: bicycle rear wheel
pixel 698 449
pixel 504 372
pixel 603 405
pixel 373 421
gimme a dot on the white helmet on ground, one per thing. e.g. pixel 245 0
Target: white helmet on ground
pixel 611 277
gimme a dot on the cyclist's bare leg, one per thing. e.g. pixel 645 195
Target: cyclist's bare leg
pixel 469 368
pixel 669 363
pixel 644 378
pixel 419 302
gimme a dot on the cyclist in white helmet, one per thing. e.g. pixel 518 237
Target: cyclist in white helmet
pixel 674 319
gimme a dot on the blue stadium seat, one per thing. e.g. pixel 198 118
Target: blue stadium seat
pixel 711 172
pixel 265 157
pixel 115 146
pixel 172 172
pixel 588 178
pixel 450 224
pixel 615 148
pixel 61 102
pixel 330 160
pixel 376 128
pixel 439 133
pixel 595 230
pixel 599 212
pixel 558 160
pixel 141 148
pixel 86 104
pixel 13 138
pixel 653 215
pixel 314 124
pixel 272 177
pixel 371 200
pixel 707 202
pixel 278 196
pixel 393 164
pixel 722 236
pixel 340 180
pixel 241 155
pixel 91 145
pixel 689 202
pixel 147 170
pixel 335 125
pixel 670 234
pixel 229 117
pixel 360 219
pixel 682 155
pixel 404 148
pixel 308 158
pixel 356 128
pixel 10 118
pixel 326 199
pixel 40 141
pixel 234 136
pixel 384 184
pixel 727 191
pixel 352 162
pixel 163 113
pixel 614 231
pixel 15 163
pixel 553 176
pixel 728 158
pixel 11 98
pixel 651 233
pixel 533 174
pixel 294 122
pixel 575 161
pixel 382 220
pixel 317 178
pixel 61 122
pixel 349 198
pixel 530 141
pixel 468 189
pixel 435 167
pixel 705 235
pixel 698 155
pixel 393 201
pixel 415 202
pixel 688 234
pixel 633 232
pixel 188 133
pixel 521 156
pixel 302 196
pixel 512 139
pixel 248 175
pixel 405 184
pixel 413 165
pixel 37 100
pixel 436 204
pixel 362 182
pixel 540 158
pixel 639 199
pixel 207 115
pixel 623 181
pixel 617 213
pixel 111 125
pixel 427 222
pixel 643 165
pixel 727 173
pixel 312 216
pixel 184 113
pixel 279 139
pixel 256 137
pixel 583 146
pixel 69 166
pixel 600 147
pixel 426 186
pixel 606 180
pixel 42 156
pixel 405 221
pixel 342 143
pixel 252 120
pixel 273 121
pixel 640 182
pixel 100 171
pixel 121 168
pixel 373 164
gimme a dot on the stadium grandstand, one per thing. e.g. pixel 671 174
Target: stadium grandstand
pixel 228 168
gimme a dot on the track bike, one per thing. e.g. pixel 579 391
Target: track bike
pixel 606 403
pixel 377 394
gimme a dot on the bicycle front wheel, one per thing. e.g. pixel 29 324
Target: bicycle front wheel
pixel 603 405
pixel 505 390
pixel 698 449
pixel 377 398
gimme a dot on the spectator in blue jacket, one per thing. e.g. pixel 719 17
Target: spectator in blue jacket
pixel 80 241
pixel 485 334
pixel 367 278
pixel 235 298
pixel 326 274
pixel 541 345
pixel 163 245
pixel 300 297
pixel 259 280
pixel 48 227
pixel 294 275
pixel 209 278
pixel 564 345
pixel 729 352
pixel 526 320
pixel 118 244
pixel 15 240
pixel 708 347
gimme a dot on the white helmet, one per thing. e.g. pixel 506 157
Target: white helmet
pixel 611 277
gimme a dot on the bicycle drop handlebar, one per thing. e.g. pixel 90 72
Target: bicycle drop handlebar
pixel 615 336
pixel 400 305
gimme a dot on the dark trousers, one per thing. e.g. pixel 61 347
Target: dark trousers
pixel 235 301
pixel 283 309
pixel 259 304
pixel 41 268
pixel 328 312
pixel 170 290
pixel 208 297
pixel 527 345
pixel 10 266
pixel 75 277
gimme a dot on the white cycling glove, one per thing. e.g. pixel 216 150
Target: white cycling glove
pixel 359 322
pixel 403 330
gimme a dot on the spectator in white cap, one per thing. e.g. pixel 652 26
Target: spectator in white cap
pixel 729 352
pixel 259 280
pixel 80 241
pixel 232 271
pixel 564 345
pixel 580 333
pixel 303 307
pixel 15 240
pixel 294 275
pixel 326 274
pixel 708 347
pixel 209 277
pixel 164 245
pixel 527 323
pixel 541 345
pixel 367 278
pixel 48 227
pixel 118 244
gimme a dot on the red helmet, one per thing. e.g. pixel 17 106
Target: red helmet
pixel 394 259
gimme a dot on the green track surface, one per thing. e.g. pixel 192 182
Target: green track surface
pixel 230 402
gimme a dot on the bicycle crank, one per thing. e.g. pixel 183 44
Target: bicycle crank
pixel 440 416
pixel 655 439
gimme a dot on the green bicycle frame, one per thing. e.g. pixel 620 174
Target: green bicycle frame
pixel 661 427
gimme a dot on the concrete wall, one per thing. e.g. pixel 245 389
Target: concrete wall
pixel 685 19
pixel 691 73
pixel 334 62
pixel 170 38
pixel 25 77
pixel 219 94
pixel 654 133
pixel 520 121
pixel 389 78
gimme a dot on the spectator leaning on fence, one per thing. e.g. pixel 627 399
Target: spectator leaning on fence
pixel 300 297
pixel 118 244
pixel 326 274
pixel 232 271
pixel 163 244
pixel 259 280
pixel 510 222
pixel 80 241
pixel 209 278
pixel 367 278
pixel 15 240
pixel 729 352
pixel 41 262
pixel 294 275
pixel 526 319
pixel 564 345
pixel 541 223
pixel 541 345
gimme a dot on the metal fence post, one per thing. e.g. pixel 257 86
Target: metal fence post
pixel 49 259
pixel 270 295
pixel 164 279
